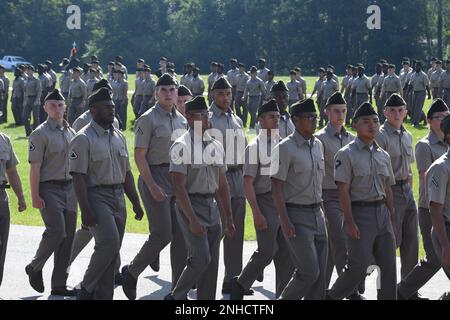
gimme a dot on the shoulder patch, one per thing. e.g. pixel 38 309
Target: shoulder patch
pixel 73 155
pixel 31 146
pixel 338 164
pixel 139 130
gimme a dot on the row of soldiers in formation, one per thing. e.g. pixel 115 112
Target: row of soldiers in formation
pixel 335 201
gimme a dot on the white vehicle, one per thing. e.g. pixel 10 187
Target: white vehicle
pixel 10 62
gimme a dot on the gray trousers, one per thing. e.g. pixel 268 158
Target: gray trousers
pixel 417 101
pixel 309 250
pixel 254 102
pixel 407 227
pixel 82 238
pixel 435 93
pixel 241 113
pixel 76 109
pixel 203 260
pixel 427 267
pixel 121 113
pixel 438 248
pixel 60 219
pixel 446 96
pixel 377 240
pixel 4 106
pixel 29 108
pixel 4 229
pixel 137 104
pixel 233 247
pixel 17 109
pixel 163 228
pixel 272 245
pixel 108 207
pixel 337 252
pixel 145 104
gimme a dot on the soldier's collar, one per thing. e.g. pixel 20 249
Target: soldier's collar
pixel 218 112
pixel 362 145
pixel 332 130
pixel 390 129
pixel 100 130
pixel 162 111
pixel 54 125
pixel 300 140
pixel 433 138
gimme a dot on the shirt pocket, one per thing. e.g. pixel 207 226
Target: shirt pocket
pixel 162 132
pixel 99 155
pixel 5 153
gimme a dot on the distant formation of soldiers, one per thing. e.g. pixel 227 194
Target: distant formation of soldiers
pixel 326 200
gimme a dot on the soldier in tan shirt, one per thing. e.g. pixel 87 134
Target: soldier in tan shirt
pixel 31 101
pixel 435 78
pixel 77 96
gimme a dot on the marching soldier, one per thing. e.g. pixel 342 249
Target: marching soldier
pixel 328 87
pixel 18 88
pixel 53 194
pixel 162 67
pixel 77 95
pixel 8 173
pixel 377 89
pixel 64 79
pixel 280 94
pixel 433 63
pixel 391 84
pixel 100 167
pixel 85 75
pixel 120 96
pixel 52 74
pixel 302 94
pixel 346 79
pixel 271 243
pixel 294 87
pixel 187 75
pixel 31 101
pixel 364 176
pixel 297 195
pixel 196 85
pixel 438 197
pixel 240 105
pixel 335 77
pixel 200 188
pixel 398 143
pixel 334 137
pixel 110 74
pixel 153 131
pixel 318 85
pixel 428 150
pixel 212 79
pixel 444 86
pixel 418 83
pixel 226 121
pixel 351 103
pixel 232 75
pixel 268 86
pixel 435 77
pixel 5 93
pixel 405 75
pixel 45 87
pixel 91 81
pixel 184 95
pixel 254 91
pixel 262 72
pixel 361 88
pixel 138 94
pixel 119 62
pixel 148 91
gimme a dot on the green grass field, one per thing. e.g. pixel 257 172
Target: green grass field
pixel 32 216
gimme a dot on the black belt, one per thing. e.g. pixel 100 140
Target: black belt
pixel 234 169
pixel 4 186
pixel 377 203
pixel 59 182
pixel 203 195
pixel 108 186
pixel 303 206
pixel 401 183
pixel 160 165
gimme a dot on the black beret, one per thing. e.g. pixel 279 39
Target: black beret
pixel 279 86
pixel 221 83
pixel 329 73
pixel 365 109
pixel 111 63
pixel 40 67
pixel 54 95
pixel 395 100
pixel 102 84
pixel 95 61
pixel 303 106
pixel 233 60
pixel 166 80
pixel 292 72
pixel 100 96
pixel 77 69
pixel 196 104
pixel 92 70
pixel 439 62
pixel 418 63
pixel 297 69
pixel 49 63
pixel 147 69
pixel 30 67
pixel 405 63
pixel 184 91
pixel 438 105
pixel 391 66
pixel 269 106
pixel 330 66
pixel 163 59
pixel 140 60
pixel 119 58
pixel 335 98
pixel 360 67
pixel 349 66
pixel 241 65
pixel 262 60
pixel 170 70
pixel 322 70
pixel 196 69
pixel 382 61
pixel 253 69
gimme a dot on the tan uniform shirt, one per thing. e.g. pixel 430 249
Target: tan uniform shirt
pixel 391 83
pixel 435 78
pixel 301 167
pixel 77 89
pixel 263 74
pixel 438 184
pixel 294 90
pixel 332 142
pixel 64 81
pixel 90 85
pixel 8 158
pixel 419 81
pixel 139 86
pixel 362 84
pixel 120 90
pixel 100 154
pixel 445 80
pixel 242 79
pixel 399 145
pixel 153 132
pixel 149 87
pixel 18 87
pixel 232 76
pixel 254 88
pixel 32 87
pixel 404 76
pixel 197 86
pixel 83 120
pixel 367 171
pixel 328 88
pixel 428 150
pixel 48 145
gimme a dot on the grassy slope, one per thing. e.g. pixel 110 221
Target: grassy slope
pixel 32 216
